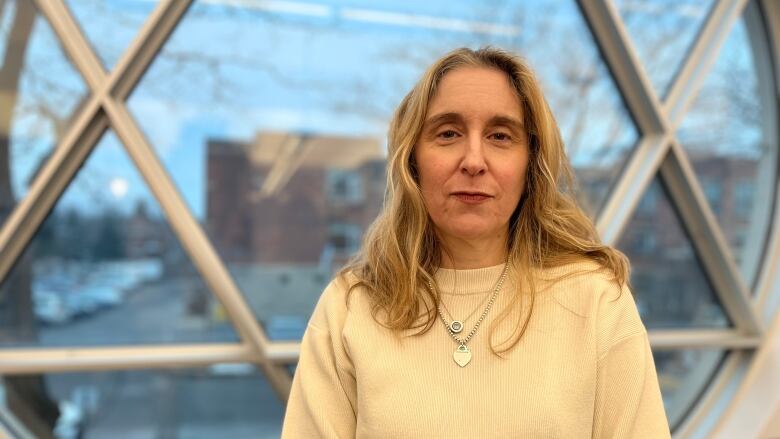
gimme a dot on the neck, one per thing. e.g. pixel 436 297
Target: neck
pixel 468 254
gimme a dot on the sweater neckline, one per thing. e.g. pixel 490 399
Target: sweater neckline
pixel 472 281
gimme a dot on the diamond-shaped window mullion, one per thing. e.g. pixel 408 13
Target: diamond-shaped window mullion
pixel 663 33
pixel 110 26
pixel 726 140
pixel 671 287
pixel 687 196
pixel 154 34
pixel 105 257
pixel 641 165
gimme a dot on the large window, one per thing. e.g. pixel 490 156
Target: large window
pixel 179 182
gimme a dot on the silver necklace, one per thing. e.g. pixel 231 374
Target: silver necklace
pixel 462 354
pixel 457 325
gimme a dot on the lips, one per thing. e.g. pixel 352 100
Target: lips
pixel 471 197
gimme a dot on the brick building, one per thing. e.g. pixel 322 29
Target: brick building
pixel 292 198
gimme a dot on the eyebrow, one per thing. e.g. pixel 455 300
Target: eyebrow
pixel 509 121
pixel 442 118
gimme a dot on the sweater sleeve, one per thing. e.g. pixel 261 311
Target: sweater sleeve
pixel 322 398
pixel 628 400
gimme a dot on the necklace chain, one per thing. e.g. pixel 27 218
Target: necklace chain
pixel 452 316
pixel 453 334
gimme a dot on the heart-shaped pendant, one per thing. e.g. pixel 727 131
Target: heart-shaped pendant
pixel 462 355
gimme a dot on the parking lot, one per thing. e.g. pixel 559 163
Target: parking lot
pixel 148 308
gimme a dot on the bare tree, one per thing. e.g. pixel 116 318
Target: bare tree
pixel 26 395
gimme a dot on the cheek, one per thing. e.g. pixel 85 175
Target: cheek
pixel 523 174
pixel 430 187
pixel 430 177
pixel 512 182
pixel 514 187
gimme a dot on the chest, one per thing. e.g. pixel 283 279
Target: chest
pixel 411 387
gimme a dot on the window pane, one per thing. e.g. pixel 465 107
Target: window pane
pixel 41 94
pixel 725 139
pixel 683 376
pixel 231 401
pixel 110 26
pixel 106 269
pixel 662 32
pixel 670 286
pixel 272 121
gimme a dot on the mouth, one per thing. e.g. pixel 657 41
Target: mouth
pixel 471 197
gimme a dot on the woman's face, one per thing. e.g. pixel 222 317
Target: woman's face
pixel 472 154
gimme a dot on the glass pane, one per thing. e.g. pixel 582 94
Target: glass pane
pixel 683 376
pixel 41 94
pixel 106 269
pixel 729 149
pixel 110 26
pixel 271 119
pixel 669 284
pixel 662 32
pixel 227 400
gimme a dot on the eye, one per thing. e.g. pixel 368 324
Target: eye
pixel 447 134
pixel 501 137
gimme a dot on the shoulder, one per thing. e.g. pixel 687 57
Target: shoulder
pixel 593 293
pixel 336 302
pixel 580 286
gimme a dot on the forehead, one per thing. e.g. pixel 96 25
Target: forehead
pixel 477 92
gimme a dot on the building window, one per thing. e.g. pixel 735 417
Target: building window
pixel 344 186
pixel 344 237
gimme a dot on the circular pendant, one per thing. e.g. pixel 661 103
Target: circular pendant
pixel 456 326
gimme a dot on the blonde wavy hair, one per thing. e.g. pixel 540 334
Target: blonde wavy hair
pixel 401 252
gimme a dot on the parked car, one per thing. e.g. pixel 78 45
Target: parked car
pixel 104 296
pixel 70 424
pixel 50 309
pixel 81 304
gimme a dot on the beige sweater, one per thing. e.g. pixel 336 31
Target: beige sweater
pixel 582 369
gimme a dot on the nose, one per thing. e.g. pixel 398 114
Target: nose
pixel 473 162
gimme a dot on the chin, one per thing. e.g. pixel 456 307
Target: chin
pixel 470 231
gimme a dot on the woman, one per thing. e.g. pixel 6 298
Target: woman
pixel 482 303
